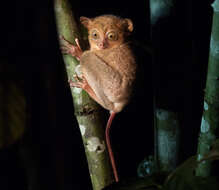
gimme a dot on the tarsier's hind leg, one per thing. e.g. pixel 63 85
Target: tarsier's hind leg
pixel 103 80
pixel 82 83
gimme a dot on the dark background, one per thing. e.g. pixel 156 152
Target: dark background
pixel 29 43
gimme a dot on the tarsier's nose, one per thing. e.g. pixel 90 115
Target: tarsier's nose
pixel 102 44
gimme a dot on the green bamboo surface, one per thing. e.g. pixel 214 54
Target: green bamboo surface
pixel 210 118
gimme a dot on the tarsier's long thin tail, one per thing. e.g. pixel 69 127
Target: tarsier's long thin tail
pixel 112 115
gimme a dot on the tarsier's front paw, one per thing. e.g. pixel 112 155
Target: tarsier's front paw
pixel 79 82
pixel 68 48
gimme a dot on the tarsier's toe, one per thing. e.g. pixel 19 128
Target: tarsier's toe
pixel 84 80
pixel 61 37
pixel 64 50
pixel 77 78
pixel 75 84
pixel 70 81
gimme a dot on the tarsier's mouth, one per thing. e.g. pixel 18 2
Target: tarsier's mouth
pixel 101 48
pixel 102 45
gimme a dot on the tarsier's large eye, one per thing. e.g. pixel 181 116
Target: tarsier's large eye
pixel 112 36
pixel 94 34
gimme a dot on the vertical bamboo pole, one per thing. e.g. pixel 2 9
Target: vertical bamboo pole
pixel 210 119
pixel 87 112
pixel 166 125
pixel 167 139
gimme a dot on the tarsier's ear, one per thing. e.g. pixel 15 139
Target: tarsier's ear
pixel 85 21
pixel 128 24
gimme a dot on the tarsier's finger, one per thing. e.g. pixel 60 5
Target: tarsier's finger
pixel 70 81
pixel 64 47
pixel 77 78
pixel 76 84
pixel 70 50
pixel 64 50
pixel 61 37
pixel 83 79
pixel 77 43
pixel 64 41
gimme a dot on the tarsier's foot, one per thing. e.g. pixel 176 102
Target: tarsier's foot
pixel 82 83
pixel 79 82
pixel 68 48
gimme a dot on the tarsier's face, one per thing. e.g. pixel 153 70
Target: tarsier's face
pixel 106 31
pixel 100 39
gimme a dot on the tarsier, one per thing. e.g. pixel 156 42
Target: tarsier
pixel 108 68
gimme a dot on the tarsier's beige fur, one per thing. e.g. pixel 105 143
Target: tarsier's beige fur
pixel 110 72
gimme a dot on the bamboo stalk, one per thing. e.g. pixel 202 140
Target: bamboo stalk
pixel 210 118
pixel 168 131
pixel 87 112
pixel 166 124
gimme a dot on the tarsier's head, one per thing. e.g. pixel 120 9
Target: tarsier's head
pixel 107 31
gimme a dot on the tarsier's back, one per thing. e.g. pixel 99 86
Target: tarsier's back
pixel 109 66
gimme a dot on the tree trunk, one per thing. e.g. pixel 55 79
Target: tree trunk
pixel 210 120
pixel 87 112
